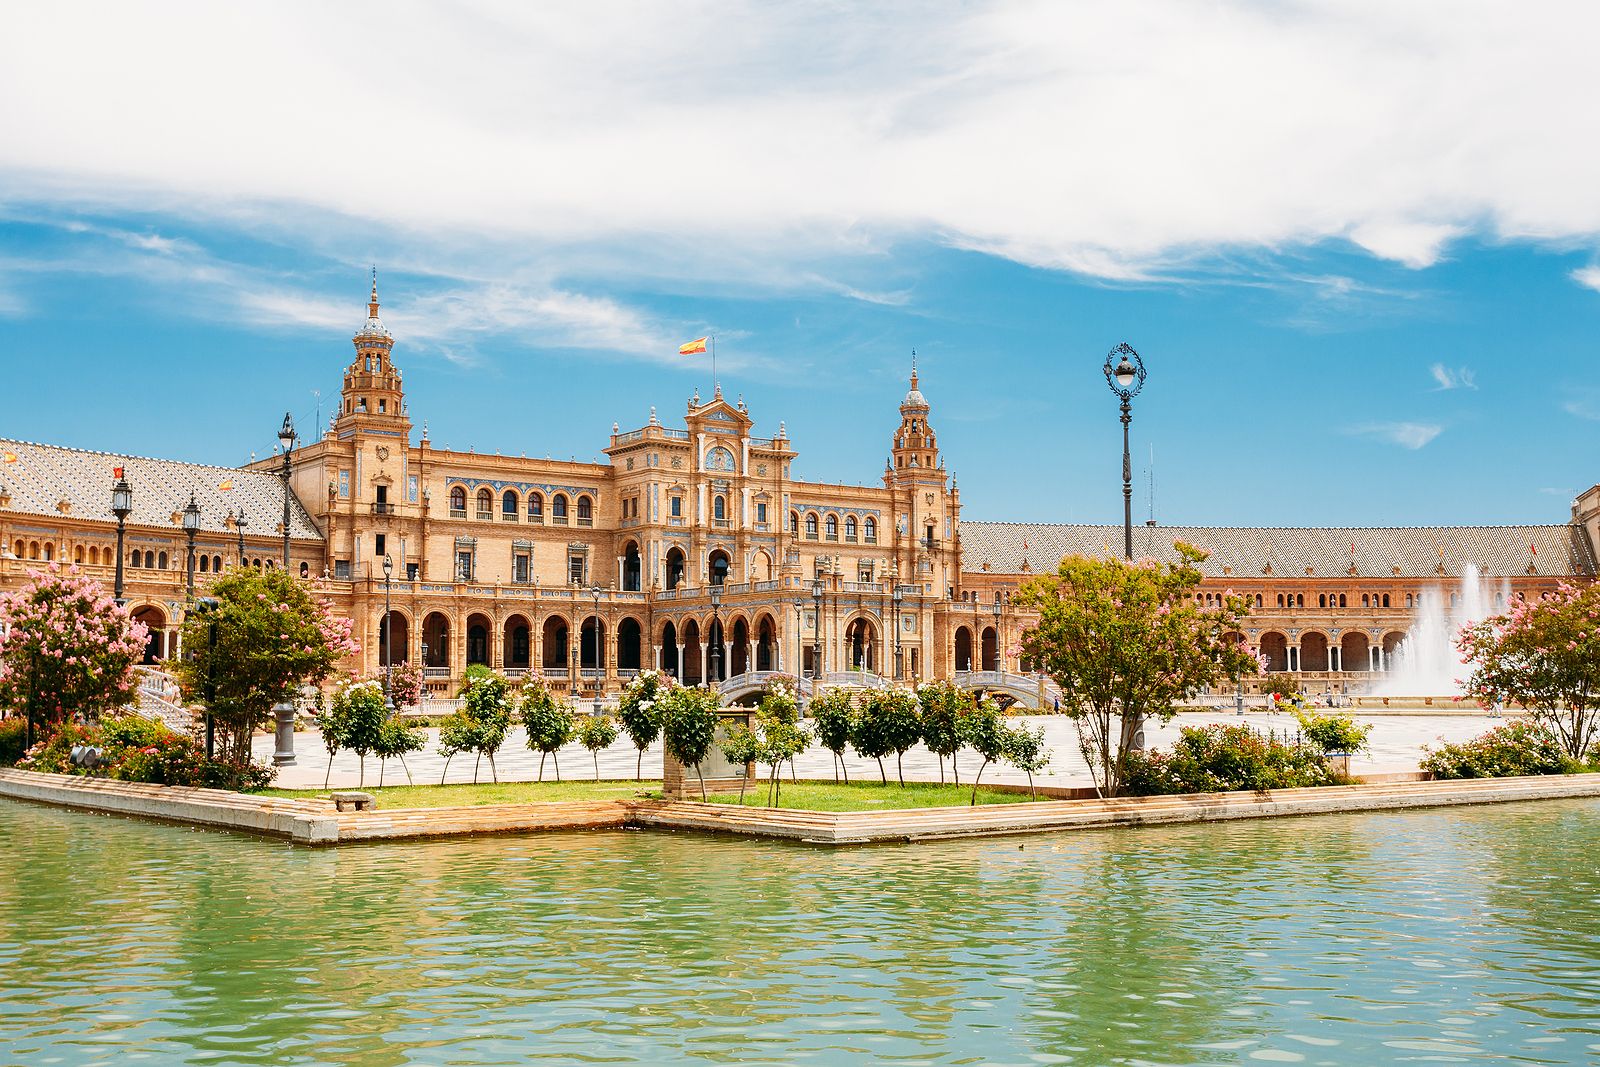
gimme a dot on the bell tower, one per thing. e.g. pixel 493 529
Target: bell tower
pixel 373 395
pixel 916 448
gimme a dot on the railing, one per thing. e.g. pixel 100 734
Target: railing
pixel 722 524
pixel 585 520
pixel 558 520
pixel 458 513
pixel 676 435
pixel 436 672
pixel 382 507
pixel 863 587
pixel 510 516
pixel 631 435
pixel 591 673
pixel 485 516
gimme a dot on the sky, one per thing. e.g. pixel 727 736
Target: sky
pixel 1356 244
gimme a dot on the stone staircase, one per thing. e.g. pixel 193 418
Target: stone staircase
pixel 159 697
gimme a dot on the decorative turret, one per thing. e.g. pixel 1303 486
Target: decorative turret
pixel 373 392
pixel 916 449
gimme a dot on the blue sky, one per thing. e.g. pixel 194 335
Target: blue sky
pixel 1357 248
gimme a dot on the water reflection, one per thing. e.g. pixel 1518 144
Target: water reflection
pixel 1465 935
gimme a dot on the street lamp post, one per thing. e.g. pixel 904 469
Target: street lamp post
pixel 388 648
pixel 1126 378
pixel 286 436
pixel 999 662
pixel 716 632
pixel 896 623
pixel 816 630
pixel 799 654
pixel 121 507
pixel 238 526
pixel 599 683
pixel 191 527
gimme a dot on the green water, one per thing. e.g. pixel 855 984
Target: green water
pixel 1463 936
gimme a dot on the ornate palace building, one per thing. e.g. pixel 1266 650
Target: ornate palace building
pixel 693 549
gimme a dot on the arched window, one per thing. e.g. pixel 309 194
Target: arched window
pixel 508 505
pixel 17 550
pixel 216 564
pixel 485 504
pixel 794 524
pixel 871 530
pixel 558 508
pixel 1280 600
pixel 458 499
pixel 585 510
pixel 1300 600
pixel 1341 600
pixel 850 528
pixel 811 526
pixel 832 528
pixel 77 553
pixel 1258 600
pixel 719 508
pixel 535 507
pixel 205 564
pixel 1322 600
pixel 305 570
pixel 1386 600
pixel 1364 600
pixel 50 551
pixel 150 560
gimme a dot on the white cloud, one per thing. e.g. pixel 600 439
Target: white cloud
pixel 1116 140
pixel 1457 378
pixel 1588 277
pixel 1412 435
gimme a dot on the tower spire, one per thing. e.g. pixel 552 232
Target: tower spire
pixel 372 306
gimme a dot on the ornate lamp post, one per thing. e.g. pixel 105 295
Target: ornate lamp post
pixel 121 507
pixel 898 594
pixel 238 527
pixel 286 437
pixel 716 632
pixel 599 683
pixel 816 630
pixel 191 526
pixel 799 654
pixel 999 663
pixel 1126 378
pixel 388 648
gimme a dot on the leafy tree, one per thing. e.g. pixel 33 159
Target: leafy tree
pixel 360 711
pixel 833 716
pixel 596 733
pixel 891 721
pixel 741 748
pixel 945 710
pixel 272 637
pixel 989 738
pixel 550 724
pixel 870 738
pixel 1544 655
pixel 479 725
pixel 1026 752
pixel 1125 642
pixel 329 721
pixel 639 710
pixel 66 648
pixel 779 704
pixel 394 741
pixel 689 726
pixel 1333 733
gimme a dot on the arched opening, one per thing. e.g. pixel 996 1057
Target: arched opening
pixel 477 639
pixel 761 567
pixel 811 526
pixel 861 640
pixel 719 508
pixel 535 507
pixel 669 649
pixel 558 509
pixel 963 649
pixel 205 564
pixel 585 511
pixel 77 553
pixel 1391 642
pixel 631 567
pixel 458 499
pixel 162 559
pixel 674 567
pixel 591 649
pixel 692 673
pixel 1354 652
pixel 485 504
pixel 518 650
pixel 630 645
pixel 553 640
pixel 436 640
pixel 991 649
pixel 155 646
pixel 849 527
pixel 717 565
pixel 1275 647
pixel 871 530
pixel 832 528
pixel 766 644
pixel 739 652
pixel 396 636
pixel 508 505
pixel 1314 652
pixel 716 651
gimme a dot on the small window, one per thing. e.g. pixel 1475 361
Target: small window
pixel 519 569
pixel 850 528
pixel 162 557
pixel 305 570
pixel 811 526
pixel 832 527
pixel 558 509
pixel 205 564
pixel 794 523
pixel 761 511
pixel 485 504
pixel 871 528
pixel 463 565
pixel 380 546
pixel 341 569
pixel 383 405
pixel 719 508
pixel 1386 600
pixel 677 507
pixel 458 499
pixel 864 571
pixel 575 568
pixel 535 507
pixel 585 511
pixel 508 506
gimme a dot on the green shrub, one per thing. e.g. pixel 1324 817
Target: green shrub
pixel 1333 733
pixel 1225 758
pixel 136 749
pixel 834 715
pixel 550 723
pixel 1517 748
pixel 13 740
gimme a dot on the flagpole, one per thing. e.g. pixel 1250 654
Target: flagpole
pixel 715 385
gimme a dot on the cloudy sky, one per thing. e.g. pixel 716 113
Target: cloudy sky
pixel 1357 244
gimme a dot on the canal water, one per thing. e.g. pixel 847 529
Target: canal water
pixel 1456 936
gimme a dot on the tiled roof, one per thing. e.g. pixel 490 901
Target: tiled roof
pixel 45 475
pixel 1246 552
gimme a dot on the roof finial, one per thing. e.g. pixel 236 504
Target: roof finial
pixel 913 368
pixel 372 307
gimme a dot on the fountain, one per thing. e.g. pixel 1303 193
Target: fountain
pixel 1427 663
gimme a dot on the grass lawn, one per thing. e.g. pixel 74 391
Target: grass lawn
pixel 864 796
pixel 443 796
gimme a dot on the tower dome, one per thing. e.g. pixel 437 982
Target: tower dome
pixel 372 329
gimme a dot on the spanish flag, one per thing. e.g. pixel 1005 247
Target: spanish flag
pixel 9 457
pixel 697 345
pixel 225 485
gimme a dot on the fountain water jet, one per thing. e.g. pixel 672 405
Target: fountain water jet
pixel 1427 663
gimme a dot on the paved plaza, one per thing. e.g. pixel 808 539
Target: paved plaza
pixel 1397 742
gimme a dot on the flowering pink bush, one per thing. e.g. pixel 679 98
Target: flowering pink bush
pixel 67 647
pixel 1545 655
pixel 405 684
